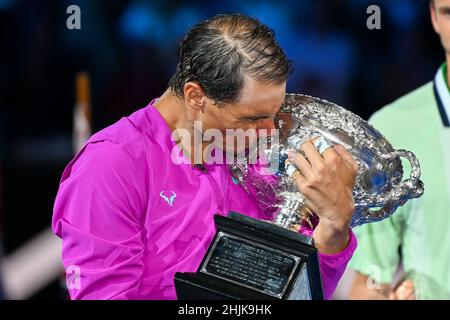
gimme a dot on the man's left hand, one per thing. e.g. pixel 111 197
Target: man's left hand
pixel 326 181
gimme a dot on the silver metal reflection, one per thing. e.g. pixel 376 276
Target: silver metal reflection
pixel 379 189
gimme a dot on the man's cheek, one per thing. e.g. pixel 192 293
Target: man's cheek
pixel 446 44
pixel 445 31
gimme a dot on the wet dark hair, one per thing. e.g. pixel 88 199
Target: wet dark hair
pixel 218 52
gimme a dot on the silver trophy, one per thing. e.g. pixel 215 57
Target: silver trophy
pixel 379 189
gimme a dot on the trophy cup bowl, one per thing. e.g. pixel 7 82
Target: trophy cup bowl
pixel 379 189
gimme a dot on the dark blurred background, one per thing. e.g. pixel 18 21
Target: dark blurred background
pixel 128 48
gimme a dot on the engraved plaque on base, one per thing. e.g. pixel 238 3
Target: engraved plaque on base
pixel 253 259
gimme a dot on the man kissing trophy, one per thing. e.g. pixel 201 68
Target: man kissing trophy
pixel 243 246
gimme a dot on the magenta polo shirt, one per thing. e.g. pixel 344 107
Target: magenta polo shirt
pixel 129 218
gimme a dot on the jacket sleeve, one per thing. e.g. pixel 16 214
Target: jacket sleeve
pixel 332 266
pixel 97 216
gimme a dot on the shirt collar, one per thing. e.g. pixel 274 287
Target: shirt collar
pixel 442 95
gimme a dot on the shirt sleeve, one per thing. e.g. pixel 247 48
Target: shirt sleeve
pixel 378 252
pixel 332 266
pixel 97 215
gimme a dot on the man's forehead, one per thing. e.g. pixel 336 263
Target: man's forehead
pixel 263 98
pixel 442 3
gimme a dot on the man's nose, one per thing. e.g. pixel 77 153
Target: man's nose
pixel 266 127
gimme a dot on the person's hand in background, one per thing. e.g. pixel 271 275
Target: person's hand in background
pixel 404 291
pixel 360 290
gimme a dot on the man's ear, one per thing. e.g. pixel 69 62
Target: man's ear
pixel 194 96
pixel 433 15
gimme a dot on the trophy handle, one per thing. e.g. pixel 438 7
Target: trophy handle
pixel 397 196
pixel 413 186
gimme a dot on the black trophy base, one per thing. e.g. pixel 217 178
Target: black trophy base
pixel 199 286
pixel 250 259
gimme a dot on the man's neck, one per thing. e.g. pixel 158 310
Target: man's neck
pixel 447 76
pixel 174 112
pixel 171 109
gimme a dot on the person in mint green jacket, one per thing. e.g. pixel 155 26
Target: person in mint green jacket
pixel 417 237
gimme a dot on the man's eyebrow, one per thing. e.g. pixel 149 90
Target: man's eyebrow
pixel 444 9
pixel 260 117
pixel 264 116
